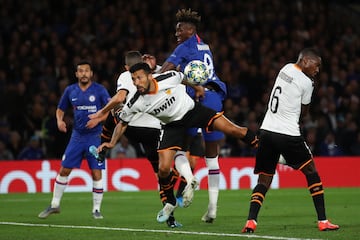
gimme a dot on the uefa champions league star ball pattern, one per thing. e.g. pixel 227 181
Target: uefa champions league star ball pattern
pixel 196 72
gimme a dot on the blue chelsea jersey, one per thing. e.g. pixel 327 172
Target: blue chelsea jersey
pixel 195 49
pixel 84 103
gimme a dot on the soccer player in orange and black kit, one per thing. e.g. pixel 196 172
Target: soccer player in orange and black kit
pixel 280 135
pixel 144 131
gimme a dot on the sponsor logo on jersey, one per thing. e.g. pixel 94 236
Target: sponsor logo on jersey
pixel 122 115
pixel 91 108
pixel 203 47
pixel 167 104
pixel 285 77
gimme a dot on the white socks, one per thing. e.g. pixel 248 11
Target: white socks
pixel 183 166
pixel 98 193
pixel 59 188
pixel 61 184
pixel 213 181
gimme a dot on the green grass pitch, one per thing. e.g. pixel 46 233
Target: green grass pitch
pixel 286 214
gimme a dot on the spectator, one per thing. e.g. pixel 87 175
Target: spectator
pixel 32 151
pixel 355 147
pixel 328 147
pixel 15 143
pixel 5 154
pixel 123 149
pixel 41 50
pixel 4 131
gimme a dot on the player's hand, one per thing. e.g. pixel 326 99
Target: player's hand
pixel 251 139
pixel 255 142
pixel 98 114
pixel 199 92
pixel 62 126
pixel 150 60
pixel 92 123
pixel 105 145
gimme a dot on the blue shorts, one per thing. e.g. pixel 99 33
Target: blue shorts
pixel 78 149
pixel 211 100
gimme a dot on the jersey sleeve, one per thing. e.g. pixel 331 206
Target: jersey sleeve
pixel 126 114
pixel 64 102
pixel 177 55
pixel 171 78
pixel 130 109
pixel 124 81
pixel 307 93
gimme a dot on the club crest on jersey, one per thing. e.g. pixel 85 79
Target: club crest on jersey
pixel 168 91
pixel 121 115
pixel 91 98
pixel 168 103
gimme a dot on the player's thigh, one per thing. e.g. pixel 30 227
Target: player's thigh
pixel 213 136
pixel 212 100
pixel 172 137
pixel 73 155
pixel 267 154
pixel 196 146
pixel 296 152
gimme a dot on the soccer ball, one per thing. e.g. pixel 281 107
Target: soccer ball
pixel 196 72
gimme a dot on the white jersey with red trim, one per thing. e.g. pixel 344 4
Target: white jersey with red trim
pixel 125 82
pixel 168 103
pixel 292 88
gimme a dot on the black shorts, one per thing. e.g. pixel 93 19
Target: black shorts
pixel 271 145
pixel 173 134
pixel 146 141
pixel 196 146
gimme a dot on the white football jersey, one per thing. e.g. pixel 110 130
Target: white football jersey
pixel 169 103
pixel 292 88
pixel 125 82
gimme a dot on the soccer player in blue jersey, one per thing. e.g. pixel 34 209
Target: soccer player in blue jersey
pixel 84 97
pixel 191 47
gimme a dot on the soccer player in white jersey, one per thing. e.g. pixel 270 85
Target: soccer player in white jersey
pixel 144 129
pixel 280 135
pixel 163 96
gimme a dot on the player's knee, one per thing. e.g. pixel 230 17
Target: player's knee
pixel 309 169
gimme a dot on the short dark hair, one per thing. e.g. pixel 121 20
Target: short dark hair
pixel 140 66
pixel 311 52
pixel 188 16
pixel 132 57
pixel 84 62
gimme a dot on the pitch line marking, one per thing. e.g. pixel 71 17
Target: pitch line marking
pixel 153 230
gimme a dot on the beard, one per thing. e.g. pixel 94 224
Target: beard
pixel 84 80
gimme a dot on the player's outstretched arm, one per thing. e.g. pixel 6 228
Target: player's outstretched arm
pixel 93 122
pixel 118 132
pixel 118 98
pixel 167 66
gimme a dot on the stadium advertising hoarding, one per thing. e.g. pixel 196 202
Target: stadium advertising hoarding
pixel 136 174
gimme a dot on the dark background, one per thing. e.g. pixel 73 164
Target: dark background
pixel 41 41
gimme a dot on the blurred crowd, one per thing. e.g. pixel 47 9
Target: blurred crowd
pixel 41 41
